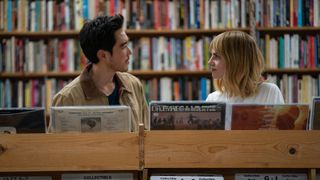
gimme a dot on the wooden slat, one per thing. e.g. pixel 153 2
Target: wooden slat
pixel 232 149
pixel 150 73
pixel 69 152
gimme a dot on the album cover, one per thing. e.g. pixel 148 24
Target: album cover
pixel 22 120
pixel 315 113
pixel 269 116
pixel 187 115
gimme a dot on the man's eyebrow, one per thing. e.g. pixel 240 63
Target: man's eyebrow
pixel 124 43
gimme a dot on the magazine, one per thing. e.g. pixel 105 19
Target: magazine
pixel 86 119
pixel 22 120
pixel 269 116
pixel 315 114
pixel 187 115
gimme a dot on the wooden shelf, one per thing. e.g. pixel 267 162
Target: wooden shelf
pixel 181 32
pixel 293 71
pixel 150 73
pixel 45 35
pixel 276 31
pixel 288 29
pixel 130 32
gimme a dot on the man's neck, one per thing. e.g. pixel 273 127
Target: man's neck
pixel 103 79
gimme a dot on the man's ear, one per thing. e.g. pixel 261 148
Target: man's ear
pixel 103 55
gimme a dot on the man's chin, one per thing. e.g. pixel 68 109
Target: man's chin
pixel 123 70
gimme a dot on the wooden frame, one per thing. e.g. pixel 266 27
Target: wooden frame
pixel 146 152
pixel 69 152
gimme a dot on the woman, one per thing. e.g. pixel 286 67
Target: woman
pixel 237 64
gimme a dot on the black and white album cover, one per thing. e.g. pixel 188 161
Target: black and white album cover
pixel 187 115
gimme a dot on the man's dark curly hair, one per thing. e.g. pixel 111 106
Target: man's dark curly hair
pixel 99 34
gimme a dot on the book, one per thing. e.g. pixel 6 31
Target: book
pixel 187 115
pixel 22 120
pixel 88 119
pixel 100 176
pixel 271 176
pixel 269 116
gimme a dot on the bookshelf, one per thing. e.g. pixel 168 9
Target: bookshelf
pixel 149 152
pixel 288 35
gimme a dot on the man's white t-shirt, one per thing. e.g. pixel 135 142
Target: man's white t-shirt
pixel 268 93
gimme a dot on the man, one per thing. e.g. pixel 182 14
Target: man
pixel 104 80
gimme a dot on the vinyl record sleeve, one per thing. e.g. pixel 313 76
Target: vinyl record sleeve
pixel 187 115
pixel 22 120
pixel 269 116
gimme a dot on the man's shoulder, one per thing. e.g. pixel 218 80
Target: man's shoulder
pixel 71 87
pixel 128 77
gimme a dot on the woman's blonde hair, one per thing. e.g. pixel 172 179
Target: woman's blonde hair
pixel 244 63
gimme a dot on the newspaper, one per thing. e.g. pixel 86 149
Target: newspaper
pixel 86 119
pixel 187 115
pixel 269 116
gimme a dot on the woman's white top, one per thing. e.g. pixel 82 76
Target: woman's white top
pixel 268 93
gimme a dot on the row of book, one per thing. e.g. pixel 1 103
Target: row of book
pixel 39 92
pixel 156 53
pixel 162 53
pixel 189 14
pixel 49 15
pixel 297 88
pixel 65 55
pixel 183 88
pixel 291 51
pixel 29 93
pixel 26 55
pixel 290 13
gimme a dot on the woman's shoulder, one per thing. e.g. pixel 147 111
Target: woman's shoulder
pixel 214 96
pixel 271 93
pixel 268 86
